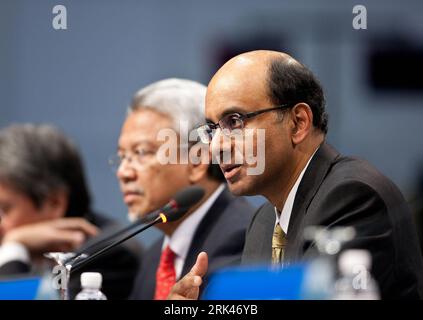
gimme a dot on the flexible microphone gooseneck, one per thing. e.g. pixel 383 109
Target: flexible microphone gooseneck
pixel 94 245
pixel 173 211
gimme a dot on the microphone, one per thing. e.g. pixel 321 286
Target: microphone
pixel 182 201
pixel 97 241
pixel 172 211
pixel 183 198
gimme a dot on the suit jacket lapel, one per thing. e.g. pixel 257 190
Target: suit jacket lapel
pixel 149 278
pixel 206 224
pixel 262 235
pixel 310 183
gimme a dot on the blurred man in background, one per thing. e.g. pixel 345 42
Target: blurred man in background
pixel 217 224
pixel 45 206
pixel 307 182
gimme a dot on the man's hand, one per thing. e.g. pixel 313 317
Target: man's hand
pixel 65 234
pixel 188 288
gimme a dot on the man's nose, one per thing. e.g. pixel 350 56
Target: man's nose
pixel 125 172
pixel 221 146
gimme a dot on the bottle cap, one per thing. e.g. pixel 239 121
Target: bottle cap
pixel 350 259
pixel 91 280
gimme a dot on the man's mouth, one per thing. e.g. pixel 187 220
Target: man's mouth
pixel 131 196
pixel 230 171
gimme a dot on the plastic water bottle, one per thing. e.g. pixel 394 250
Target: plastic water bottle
pixel 355 282
pixel 91 285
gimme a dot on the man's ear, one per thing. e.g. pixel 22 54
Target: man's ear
pixel 302 122
pixel 56 204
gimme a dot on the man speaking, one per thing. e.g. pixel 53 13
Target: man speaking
pixel 306 181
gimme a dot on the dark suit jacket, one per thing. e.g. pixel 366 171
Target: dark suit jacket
pixel 221 234
pixel 118 267
pixel 13 268
pixel 342 191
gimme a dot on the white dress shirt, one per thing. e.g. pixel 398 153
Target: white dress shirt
pixel 180 241
pixel 13 251
pixel 283 217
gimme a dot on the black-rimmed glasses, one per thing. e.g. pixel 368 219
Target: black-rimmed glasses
pixel 230 123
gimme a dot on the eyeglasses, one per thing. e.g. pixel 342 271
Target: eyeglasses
pixel 142 156
pixel 231 122
pixel 139 158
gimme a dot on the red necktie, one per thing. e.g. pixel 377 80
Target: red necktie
pixel 165 275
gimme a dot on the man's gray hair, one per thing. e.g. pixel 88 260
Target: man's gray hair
pixel 180 99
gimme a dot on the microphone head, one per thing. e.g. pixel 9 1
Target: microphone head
pixel 189 196
pixel 183 201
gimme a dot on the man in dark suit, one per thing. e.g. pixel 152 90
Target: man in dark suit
pixel 306 181
pixel 221 233
pixel 342 191
pixel 45 206
pixel 150 175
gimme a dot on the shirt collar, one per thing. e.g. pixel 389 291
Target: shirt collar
pixel 181 238
pixel 284 216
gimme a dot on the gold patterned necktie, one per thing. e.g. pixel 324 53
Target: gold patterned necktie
pixel 278 244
